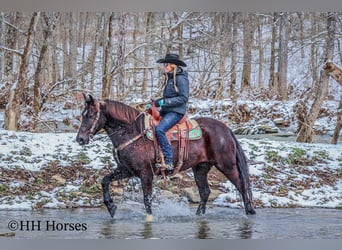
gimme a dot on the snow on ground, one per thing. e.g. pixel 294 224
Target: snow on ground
pixel 283 173
pixel 31 151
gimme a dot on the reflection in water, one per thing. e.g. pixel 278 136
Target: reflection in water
pixel 218 223
pixel 245 230
pixel 147 232
pixel 107 228
pixel 203 229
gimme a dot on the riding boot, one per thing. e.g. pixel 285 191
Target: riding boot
pixel 169 168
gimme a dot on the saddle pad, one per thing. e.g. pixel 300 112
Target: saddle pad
pixel 195 132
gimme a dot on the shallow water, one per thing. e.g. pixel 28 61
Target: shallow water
pixel 174 221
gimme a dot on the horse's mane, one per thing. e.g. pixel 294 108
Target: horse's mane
pixel 122 112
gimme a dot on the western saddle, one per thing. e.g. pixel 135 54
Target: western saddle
pixel 184 131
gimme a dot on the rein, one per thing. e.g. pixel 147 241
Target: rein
pixel 122 145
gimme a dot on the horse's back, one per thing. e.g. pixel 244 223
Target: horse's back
pixel 216 132
pixel 211 124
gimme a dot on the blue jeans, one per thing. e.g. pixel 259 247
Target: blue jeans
pixel 168 121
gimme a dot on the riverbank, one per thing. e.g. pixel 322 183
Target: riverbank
pixel 50 170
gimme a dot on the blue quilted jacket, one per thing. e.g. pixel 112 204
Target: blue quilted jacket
pixel 176 98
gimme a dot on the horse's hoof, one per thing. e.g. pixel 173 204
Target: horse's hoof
pixel 200 211
pixel 149 218
pixel 250 209
pixel 111 209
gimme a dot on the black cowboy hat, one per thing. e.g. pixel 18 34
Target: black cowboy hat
pixel 172 58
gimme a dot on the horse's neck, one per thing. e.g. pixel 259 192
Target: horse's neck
pixel 121 112
pixel 121 131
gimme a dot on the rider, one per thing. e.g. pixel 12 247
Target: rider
pixel 173 103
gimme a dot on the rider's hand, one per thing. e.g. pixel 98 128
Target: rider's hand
pixel 148 106
pixel 160 103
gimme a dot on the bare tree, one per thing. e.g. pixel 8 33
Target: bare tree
pixel 73 46
pixel 119 67
pixel 234 54
pixel 10 41
pixel 12 112
pixel 313 47
pixel 94 48
pixel 247 52
pixel 49 24
pixel 283 57
pixel 306 131
pixel 108 41
pixel 148 36
pixel 273 82
pixel 223 44
pixel 261 53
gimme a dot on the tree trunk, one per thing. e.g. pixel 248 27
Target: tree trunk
pixel 222 82
pixel 301 17
pixel 306 132
pixel 10 38
pixel 233 55
pixel 48 27
pixel 106 56
pixel 119 67
pixel 73 47
pixel 273 83
pixel 135 35
pixel 148 23
pixel 261 54
pixel 83 44
pixel 12 112
pixel 247 52
pixel 92 54
pixel 313 49
pixel 283 58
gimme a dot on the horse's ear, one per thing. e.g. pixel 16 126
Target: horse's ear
pixel 91 100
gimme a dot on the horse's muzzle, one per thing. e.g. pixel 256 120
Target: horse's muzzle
pixel 82 140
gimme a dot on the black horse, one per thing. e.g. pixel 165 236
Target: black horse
pixel 135 155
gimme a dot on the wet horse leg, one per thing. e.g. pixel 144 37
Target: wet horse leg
pixel 118 174
pixel 201 178
pixel 146 183
pixel 233 175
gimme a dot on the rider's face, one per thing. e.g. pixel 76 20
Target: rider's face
pixel 168 67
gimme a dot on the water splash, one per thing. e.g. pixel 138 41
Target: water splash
pixel 167 208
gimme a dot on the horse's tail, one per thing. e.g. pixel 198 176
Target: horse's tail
pixel 241 161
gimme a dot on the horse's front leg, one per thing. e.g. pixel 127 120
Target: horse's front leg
pixel 146 183
pixel 118 174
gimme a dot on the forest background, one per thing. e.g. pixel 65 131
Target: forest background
pixel 48 58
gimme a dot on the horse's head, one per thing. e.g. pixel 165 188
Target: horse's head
pixel 92 120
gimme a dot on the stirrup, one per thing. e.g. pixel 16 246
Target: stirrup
pixel 169 168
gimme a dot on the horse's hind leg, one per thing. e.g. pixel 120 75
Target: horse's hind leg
pixel 233 175
pixel 201 178
pixel 118 174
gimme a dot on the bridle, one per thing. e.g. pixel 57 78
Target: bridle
pixel 96 119
pixel 122 145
